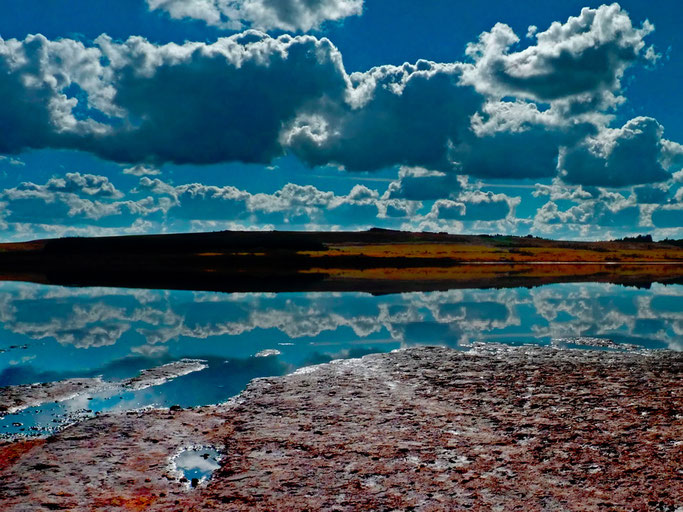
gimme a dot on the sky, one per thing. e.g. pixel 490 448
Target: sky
pixel 555 119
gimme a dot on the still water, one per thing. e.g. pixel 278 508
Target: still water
pixel 49 334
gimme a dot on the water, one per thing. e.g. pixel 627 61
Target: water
pixel 196 464
pixel 50 334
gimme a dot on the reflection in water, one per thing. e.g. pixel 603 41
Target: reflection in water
pixel 53 333
pixel 197 464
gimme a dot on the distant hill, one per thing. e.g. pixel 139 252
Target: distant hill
pixel 377 260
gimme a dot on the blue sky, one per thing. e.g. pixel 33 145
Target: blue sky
pixel 559 119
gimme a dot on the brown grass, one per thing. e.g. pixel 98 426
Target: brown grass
pixel 35 245
pixel 470 272
pixel 482 253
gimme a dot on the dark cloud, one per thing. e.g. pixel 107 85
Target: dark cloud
pixel 651 195
pixel 252 97
pixel 407 115
pixel 213 103
pixel 182 103
pixel 398 209
pixel 529 154
pixel 419 184
pixel 630 155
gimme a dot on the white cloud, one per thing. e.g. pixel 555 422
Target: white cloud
pixel 142 170
pixel 581 61
pixel 474 205
pixel 290 15
pixel 252 98
pixel 558 190
pixel 75 198
pixel 591 217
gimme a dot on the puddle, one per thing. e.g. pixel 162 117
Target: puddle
pixel 197 464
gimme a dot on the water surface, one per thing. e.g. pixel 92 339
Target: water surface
pixel 52 333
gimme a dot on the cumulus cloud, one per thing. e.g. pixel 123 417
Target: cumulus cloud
pixel 82 204
pixel 142 170
pixel 418 184
pixel 582 60
pixel 97 317
pixel 474 205
pixel 197 201
pixel 672 157
pixel 291 15
pixel 558 190
pixel 424 115
pixel 408 115
pixel 195 102
pixel 88 184
pixel 448 209
pixel 251 97
pixel 17 162
pixel 603 210
pixel 292 204
pixel 34 75
pixel 678 196
pixel 592 212
pixel 398 208
pixel 92 325
pixel 226 101
pixel 75 198
pixel 631 155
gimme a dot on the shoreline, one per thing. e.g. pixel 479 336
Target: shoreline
pixel 375 261
pixel 430 428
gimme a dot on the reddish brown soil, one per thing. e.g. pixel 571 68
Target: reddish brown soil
pixel 421 429
pixel 12 452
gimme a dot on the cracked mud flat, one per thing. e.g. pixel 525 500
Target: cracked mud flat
pixel 502 428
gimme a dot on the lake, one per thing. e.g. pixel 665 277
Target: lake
pixel 219 342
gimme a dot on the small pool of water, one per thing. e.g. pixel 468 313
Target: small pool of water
pixel 197 464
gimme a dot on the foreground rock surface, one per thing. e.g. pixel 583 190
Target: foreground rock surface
pixel 420 429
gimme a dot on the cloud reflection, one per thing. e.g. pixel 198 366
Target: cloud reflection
pixel 99 317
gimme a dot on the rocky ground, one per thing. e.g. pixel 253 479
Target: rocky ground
pixel 494 428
